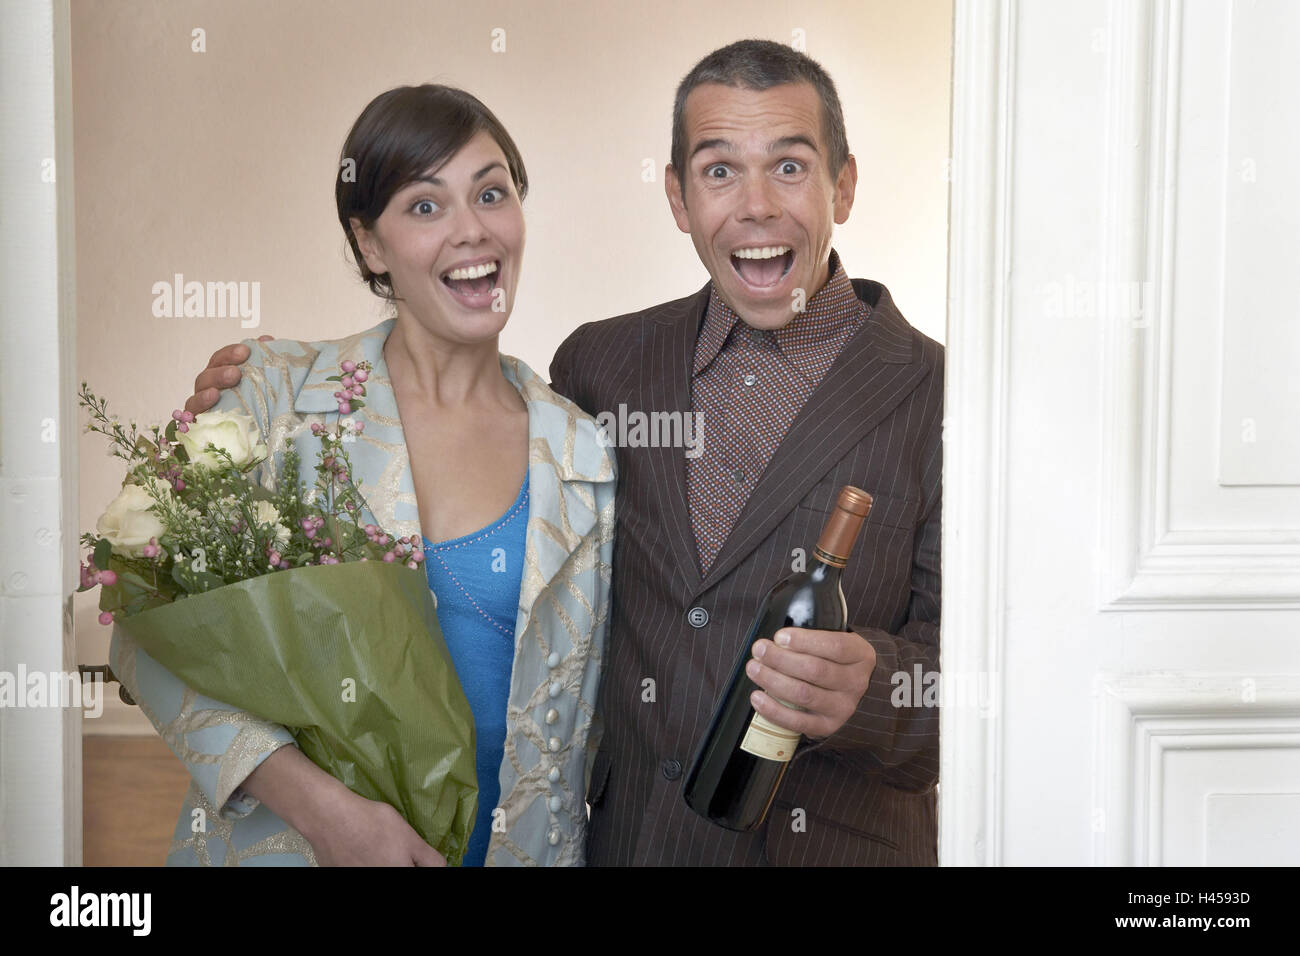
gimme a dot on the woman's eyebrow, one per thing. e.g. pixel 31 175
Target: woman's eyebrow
pixel 435 181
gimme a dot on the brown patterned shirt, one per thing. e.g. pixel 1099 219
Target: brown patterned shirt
pixel 749 385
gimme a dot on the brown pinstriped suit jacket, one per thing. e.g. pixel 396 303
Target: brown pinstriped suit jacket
pixel 875 421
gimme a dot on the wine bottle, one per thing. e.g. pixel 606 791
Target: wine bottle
pixel 740 762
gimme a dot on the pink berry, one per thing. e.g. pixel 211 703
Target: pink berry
pixel 106 617
pixel 108 578
pixel 389 557
pixel 345 408
pixel 349 367
pixel 182 427
pixel 360 375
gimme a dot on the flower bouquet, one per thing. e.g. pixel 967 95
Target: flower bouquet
pixel 284 604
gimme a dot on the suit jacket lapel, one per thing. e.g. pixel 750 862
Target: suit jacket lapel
pixel 873 373
pixel 670 356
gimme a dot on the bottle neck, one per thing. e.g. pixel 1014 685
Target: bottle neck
pixel 823 571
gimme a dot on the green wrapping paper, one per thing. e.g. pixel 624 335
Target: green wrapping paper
pixel 285 645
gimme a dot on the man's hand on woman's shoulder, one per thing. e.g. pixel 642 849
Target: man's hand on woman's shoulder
pixel 222 372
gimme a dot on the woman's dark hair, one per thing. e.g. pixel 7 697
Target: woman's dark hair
pixel 397 138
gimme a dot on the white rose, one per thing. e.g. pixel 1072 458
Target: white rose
pixel 267 513
pixel 233 432
pixel 128 524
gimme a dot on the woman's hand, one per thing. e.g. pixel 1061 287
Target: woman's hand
pixel 344 829
pixel 361 832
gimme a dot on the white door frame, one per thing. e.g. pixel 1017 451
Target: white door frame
pixel 975 416
pixel 40 746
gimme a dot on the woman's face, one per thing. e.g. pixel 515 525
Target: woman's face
pixel 452 243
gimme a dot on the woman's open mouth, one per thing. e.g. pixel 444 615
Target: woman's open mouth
pixel 763 267
pixel 475 285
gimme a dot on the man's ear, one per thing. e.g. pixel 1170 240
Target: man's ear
pixel 370 246
pixel 846 185
pixel 673 190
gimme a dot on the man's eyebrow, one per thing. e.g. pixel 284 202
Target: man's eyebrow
pixel 435 181
pixel 722 144
pixel 785 142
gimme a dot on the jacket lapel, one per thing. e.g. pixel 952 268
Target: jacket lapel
pixel 564 454
pixel 565 458
pixel 875 370
pixel 670 356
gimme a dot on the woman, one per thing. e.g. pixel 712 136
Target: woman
pixel 506 481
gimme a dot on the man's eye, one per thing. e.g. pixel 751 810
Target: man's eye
pixel 716 171
pixel 789 167
pixel 425 207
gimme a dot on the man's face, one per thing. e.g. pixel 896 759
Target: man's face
pixel 760 201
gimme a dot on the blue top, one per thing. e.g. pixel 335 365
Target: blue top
pixel 476 579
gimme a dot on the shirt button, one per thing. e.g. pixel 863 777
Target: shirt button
pixel 555 803
pixel 739 476
pixel 553 775
pixel 671 769
pixel 553 838
pixel 553 661
pixel 554 689
pixel 554 744
pixel 697 617
pixel 750 379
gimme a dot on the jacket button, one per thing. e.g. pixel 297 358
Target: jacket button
pixel 553 838
pixel 697 617
pixel 671 769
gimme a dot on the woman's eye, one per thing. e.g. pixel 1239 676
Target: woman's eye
pixel 425 207
pixel 492 195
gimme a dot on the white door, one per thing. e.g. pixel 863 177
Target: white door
pixel 1122 477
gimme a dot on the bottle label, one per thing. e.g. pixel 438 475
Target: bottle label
pixel 765 739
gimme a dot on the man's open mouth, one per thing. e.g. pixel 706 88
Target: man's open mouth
pixel 763 266
pixel 470 281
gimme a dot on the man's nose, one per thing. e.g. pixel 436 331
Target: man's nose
pixel 758 200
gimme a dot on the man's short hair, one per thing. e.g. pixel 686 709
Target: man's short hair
pixel 761 65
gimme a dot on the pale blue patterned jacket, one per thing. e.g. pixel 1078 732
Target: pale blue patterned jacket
pixel 560 629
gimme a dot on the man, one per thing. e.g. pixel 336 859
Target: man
pixel 805 381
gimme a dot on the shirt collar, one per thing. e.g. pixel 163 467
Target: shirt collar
pixel 802 339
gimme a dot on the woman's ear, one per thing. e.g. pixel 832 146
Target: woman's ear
pixel 372 250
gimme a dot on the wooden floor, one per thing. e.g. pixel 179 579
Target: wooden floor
pixel 133 788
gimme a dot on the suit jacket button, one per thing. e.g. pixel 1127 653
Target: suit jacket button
pixel 671 768
pixel 697 617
